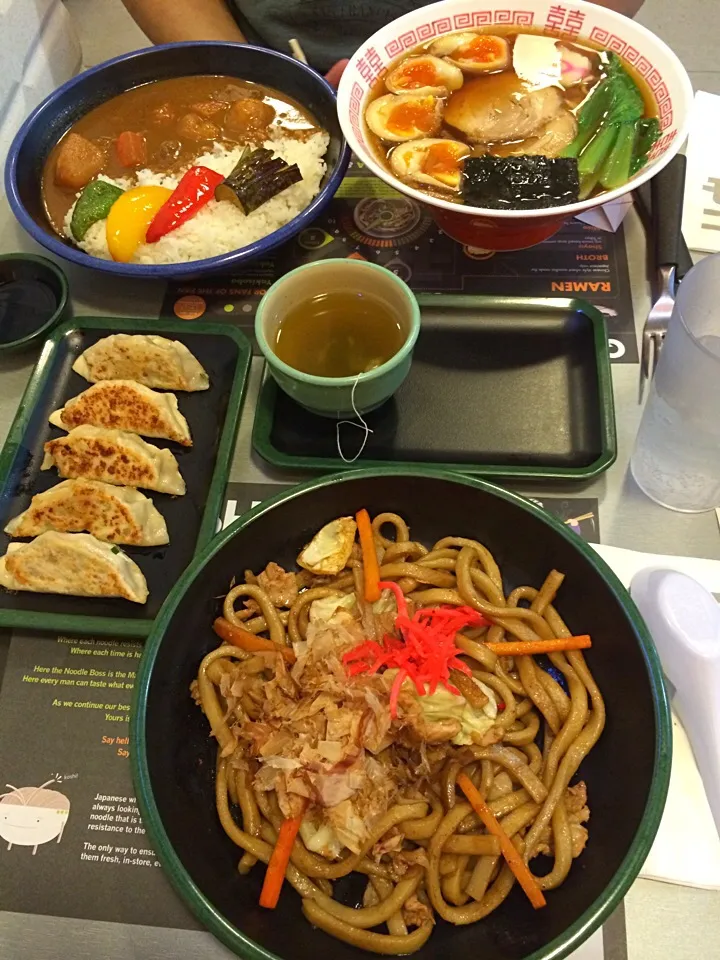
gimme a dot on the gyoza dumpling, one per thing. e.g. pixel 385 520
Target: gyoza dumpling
pixel 115 514
pixel 94 453
pixel 153 361
pixel 72 563
pixel 126 405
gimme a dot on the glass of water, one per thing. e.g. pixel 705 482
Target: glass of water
pixel 676 460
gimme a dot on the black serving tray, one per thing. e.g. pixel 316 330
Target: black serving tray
pixel 499 386
pixel 213 417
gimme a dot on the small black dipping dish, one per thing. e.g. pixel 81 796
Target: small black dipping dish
pixel 34 298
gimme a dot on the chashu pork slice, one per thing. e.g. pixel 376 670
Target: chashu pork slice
pixel 500 109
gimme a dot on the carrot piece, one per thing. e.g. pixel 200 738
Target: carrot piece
pixel 279 860
pixel 519 648
pixel 513 858
pixel 131 149
pixel 371 568
pixel 249 641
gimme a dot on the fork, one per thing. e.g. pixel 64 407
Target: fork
pixel 667 189
pixel 657 321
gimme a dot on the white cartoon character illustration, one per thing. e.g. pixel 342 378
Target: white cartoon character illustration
pixel 30 816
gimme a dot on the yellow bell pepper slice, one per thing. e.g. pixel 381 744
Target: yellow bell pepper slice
pixel 129 218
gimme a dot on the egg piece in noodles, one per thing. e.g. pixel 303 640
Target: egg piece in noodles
pixel 425 75
pixel 329 550
pixel 404 117
pixel 474 52
pixel 437 163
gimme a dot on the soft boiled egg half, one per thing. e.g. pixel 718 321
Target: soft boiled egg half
pixel 404 117
pixel 473 52
pixel 425 75
pixel 431 161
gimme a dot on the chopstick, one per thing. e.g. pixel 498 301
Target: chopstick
pixel 297 51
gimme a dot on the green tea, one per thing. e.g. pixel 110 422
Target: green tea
pixel 339 334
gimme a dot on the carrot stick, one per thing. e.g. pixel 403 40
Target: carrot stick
pixel 279 860
pixel 371 568
pixel 131 149
pixel 519 648
pixel 249 641
pixel 513 858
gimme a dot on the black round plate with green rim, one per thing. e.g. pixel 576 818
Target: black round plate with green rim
pixel 627 772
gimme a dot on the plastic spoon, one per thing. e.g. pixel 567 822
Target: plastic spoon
pixel 684 620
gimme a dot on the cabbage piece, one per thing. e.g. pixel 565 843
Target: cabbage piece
pixel 321 839
pixel 443 705
pixel 330 548
pixel 349 827
pixel 326 608
pixel 386 603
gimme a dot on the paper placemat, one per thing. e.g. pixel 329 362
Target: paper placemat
pixel 701 210
pixel 369 220
pixel 687 847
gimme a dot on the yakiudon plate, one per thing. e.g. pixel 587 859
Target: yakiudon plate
pixel 174 758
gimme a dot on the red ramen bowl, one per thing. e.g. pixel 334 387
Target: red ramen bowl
pixel 579 22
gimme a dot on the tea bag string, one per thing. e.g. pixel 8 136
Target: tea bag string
pixel 351 423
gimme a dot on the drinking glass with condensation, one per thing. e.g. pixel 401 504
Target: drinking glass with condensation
pixel 676 460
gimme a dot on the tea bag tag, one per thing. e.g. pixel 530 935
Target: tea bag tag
pixel 362 425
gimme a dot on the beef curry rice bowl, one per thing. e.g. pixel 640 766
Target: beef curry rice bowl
pixel 402 715
pixel 189 167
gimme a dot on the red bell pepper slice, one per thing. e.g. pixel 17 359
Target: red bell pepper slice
pixel 196 188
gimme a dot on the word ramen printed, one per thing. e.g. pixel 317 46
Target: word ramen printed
pixel 30 816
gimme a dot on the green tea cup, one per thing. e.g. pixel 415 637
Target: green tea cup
pixel 338 396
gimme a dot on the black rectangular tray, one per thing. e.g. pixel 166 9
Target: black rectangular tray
pixel 499 386
pixel 213 416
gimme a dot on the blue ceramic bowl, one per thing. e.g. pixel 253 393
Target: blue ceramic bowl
pixel 46 124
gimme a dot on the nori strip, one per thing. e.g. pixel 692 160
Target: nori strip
pixel 520 183
pixel 256 178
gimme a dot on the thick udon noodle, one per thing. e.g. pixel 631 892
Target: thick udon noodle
pixel 546 734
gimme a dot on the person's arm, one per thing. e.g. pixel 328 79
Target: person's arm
pixel 169 21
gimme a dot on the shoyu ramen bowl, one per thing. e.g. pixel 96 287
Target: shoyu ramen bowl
pixel 44 127
pixel 580 21
pixel 627 772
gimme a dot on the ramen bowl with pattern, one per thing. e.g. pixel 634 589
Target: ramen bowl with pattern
pixel 581 22
pixel 627 772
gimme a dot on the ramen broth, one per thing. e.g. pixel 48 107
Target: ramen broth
pixel 490 91
pixel 338 334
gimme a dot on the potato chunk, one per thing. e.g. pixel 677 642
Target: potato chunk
pixel 78 161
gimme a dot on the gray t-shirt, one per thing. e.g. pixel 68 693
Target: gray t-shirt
pixel 327 30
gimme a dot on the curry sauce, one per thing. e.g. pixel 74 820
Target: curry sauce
pixel 163 126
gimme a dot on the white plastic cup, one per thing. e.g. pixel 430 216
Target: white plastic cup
pixel 676 460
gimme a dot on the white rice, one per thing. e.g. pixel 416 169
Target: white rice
pixel 220 226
